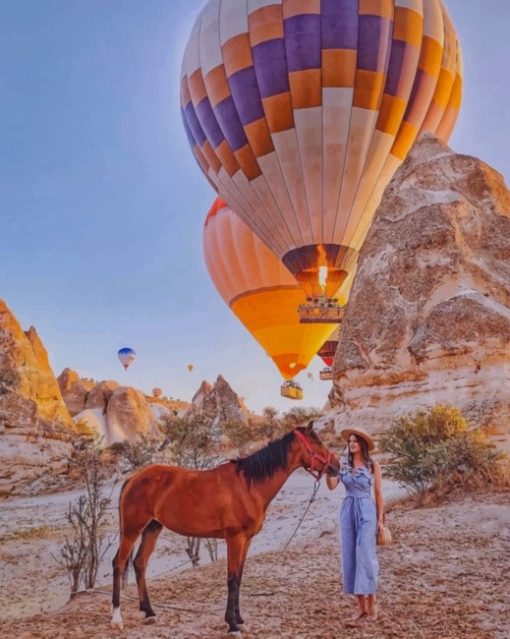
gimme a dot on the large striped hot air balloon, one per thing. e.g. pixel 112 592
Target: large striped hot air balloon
pixel 300 111
pixel 260 291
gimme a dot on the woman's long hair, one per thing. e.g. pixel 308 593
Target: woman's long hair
pixel 364 452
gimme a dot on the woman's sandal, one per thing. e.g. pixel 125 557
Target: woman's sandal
pixel 357 615
pixel 372 616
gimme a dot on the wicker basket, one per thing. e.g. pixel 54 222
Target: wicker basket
pixel 384 538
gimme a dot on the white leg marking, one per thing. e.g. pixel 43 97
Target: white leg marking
pixel 116 621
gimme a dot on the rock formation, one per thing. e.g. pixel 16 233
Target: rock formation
pixel 35 425
pixel 112 412
pixel 428 318
pixel 219 401
pixel 74 390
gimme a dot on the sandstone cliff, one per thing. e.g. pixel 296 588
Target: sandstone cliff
pixel 35 425
pixel 428 318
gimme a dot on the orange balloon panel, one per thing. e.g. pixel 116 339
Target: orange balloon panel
pixel 260 291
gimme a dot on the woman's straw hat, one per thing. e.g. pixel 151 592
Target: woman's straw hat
pixel 360 432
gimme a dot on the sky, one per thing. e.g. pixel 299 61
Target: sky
pixel 102 204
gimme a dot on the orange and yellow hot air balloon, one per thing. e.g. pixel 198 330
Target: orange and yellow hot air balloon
pixel 260 291
pixel 299 112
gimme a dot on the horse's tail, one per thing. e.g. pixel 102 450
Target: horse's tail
pixel 129 561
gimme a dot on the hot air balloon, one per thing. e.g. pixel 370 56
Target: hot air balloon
pixel 127 356
pixel 189 367
pixel 327 354
pixel 300 112
pixel 262 294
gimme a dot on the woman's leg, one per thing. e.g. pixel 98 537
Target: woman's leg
pixel 361 609
pixel 372 607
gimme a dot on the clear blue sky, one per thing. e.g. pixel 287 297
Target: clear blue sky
pixel 101 203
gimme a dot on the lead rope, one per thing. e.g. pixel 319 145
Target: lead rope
pixel 312 499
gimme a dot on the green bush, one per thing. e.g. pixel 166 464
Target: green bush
pixel 436 449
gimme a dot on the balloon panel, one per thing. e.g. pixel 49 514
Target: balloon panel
pixel 299 113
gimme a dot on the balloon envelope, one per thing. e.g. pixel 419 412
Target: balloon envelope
pixel 328 349
pixel 299 112
pixel 126 356
pixel 260 291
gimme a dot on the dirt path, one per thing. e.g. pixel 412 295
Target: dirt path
pixel 32 530
pixel 445 577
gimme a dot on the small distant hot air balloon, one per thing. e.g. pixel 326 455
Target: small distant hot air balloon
pixel 127 356
pixel 310 376
pixel 189 367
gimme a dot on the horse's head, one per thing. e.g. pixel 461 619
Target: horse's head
pixel 316 458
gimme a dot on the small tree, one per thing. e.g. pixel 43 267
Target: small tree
pixel 82 553
pixel 436 448
pixel 133 455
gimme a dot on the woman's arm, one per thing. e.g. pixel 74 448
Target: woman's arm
pixel 332 482
pixel 379 499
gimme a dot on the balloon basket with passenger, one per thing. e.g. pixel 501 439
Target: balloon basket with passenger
pixel 326 374
pixel 320 310
pixel 291 390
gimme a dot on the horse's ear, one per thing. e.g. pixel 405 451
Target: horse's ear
pixel 309 428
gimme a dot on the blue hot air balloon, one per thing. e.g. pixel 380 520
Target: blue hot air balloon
pixel 127 356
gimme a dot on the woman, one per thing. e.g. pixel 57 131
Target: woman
pixel 360 520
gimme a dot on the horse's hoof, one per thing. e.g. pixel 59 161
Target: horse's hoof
pixel 116 622
pixel 234 633
pixel 243 627
pixel 149 621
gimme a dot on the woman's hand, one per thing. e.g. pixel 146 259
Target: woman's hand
pixel 332 482
pixel 380 525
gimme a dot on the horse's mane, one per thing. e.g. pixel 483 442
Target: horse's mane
pixel 266 461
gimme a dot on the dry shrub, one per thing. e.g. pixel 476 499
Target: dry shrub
pixel 436 456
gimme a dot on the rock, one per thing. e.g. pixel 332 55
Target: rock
pixel 99 395
pixel 203 391
pixel 74 390
pixel 128 416
pixel 220 404
pixel 35 426
pixel 428 319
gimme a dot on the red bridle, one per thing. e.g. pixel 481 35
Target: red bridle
pixel 314 470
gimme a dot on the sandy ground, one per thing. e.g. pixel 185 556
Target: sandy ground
pixel 445 576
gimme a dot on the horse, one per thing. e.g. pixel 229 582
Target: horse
pixel 226 502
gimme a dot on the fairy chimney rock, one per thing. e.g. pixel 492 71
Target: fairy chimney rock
pixel 128 416
pixel 428 318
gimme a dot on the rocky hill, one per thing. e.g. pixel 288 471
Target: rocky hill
pixel 428 319
pixel 36 428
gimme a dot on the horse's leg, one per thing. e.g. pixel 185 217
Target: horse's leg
pixel 147 545
pixel 127 542
pixel 239 619
pixel 235 554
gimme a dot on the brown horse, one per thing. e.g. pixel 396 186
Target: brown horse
pixel 227 502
